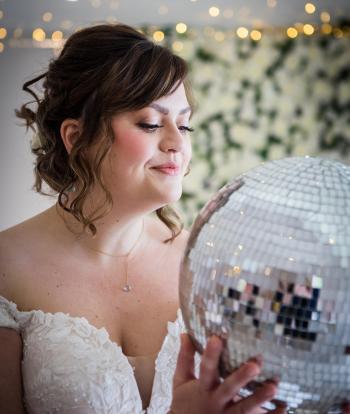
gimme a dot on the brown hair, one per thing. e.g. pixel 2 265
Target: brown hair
pixel 101 71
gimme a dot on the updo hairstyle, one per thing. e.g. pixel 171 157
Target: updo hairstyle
pixel 102 71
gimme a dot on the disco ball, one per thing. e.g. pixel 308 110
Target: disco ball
pixel 267 268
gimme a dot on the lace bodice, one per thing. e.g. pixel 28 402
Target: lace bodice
pixel 71 367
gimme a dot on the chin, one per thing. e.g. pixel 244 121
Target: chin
pixel 171 196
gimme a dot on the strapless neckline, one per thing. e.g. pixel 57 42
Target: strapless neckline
pixel 83 320
pixel 74 340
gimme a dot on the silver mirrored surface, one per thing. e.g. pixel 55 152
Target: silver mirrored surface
pixel 267 267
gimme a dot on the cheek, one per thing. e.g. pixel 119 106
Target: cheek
pixel 132 146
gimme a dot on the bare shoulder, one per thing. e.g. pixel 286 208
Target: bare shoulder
pixel 17 246
pixel 9 260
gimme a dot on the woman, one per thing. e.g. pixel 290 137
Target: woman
pixel 89 286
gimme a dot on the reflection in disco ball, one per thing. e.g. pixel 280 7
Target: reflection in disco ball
pixel 267 267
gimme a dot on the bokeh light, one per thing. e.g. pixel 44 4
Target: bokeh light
pixel 214 11
pixel 158 36
pixel 39 35
pixel 181 28
pixel 310 8
pixel 3 32
pixel 242 32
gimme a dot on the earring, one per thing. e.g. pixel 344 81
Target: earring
pixel 188 171
pixel 71 188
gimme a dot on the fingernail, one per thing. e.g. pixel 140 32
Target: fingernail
pixel 271 393
pixel 258 359
pixel 215 342
pixel 273 380
pixel 281 405
pixel 253 369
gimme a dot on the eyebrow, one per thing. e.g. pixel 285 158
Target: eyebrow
pixel 165 111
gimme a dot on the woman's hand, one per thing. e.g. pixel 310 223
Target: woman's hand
pixel 208 394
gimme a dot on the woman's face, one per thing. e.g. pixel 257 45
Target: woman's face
pixel 151 152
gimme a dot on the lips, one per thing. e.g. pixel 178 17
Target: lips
pixel 168 168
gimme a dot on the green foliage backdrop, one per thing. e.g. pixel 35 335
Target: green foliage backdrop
pixel 262 100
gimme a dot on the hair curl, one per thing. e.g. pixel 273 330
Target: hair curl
pixel 102 71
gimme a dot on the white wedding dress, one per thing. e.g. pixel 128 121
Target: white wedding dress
pixel 71 367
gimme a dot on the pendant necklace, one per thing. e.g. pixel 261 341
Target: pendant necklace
pixel 126 287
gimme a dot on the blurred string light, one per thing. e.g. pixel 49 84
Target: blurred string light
pixel 292 32
pixel 158 35
pixel 255 32
pixel 181 28
pixel 255 35
pixel 308 29
pixel 39 34
pixel 177 46
pixel 325 17
pixel 47 17
pixel 214 11
pixel 66 24
pixel 2 47
pixel 57 36
pixel 242 32
pixel 271 3
pixel 310 8
pixel 326 29
pixel 3 32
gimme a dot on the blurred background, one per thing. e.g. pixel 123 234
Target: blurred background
pixel 271 79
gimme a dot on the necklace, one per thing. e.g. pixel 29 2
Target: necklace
pixel 126 287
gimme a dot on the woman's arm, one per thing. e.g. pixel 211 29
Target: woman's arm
pixel 10 372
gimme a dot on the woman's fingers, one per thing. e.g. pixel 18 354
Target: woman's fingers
pixel 184 371
pixel 280 409
pixel 254 401
pixel 230 387
pixel 209 373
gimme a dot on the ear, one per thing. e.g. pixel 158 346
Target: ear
pixel 70 131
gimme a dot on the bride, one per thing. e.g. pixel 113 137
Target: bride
pixel 89 288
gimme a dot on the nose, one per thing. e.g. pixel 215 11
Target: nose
pixel 172 140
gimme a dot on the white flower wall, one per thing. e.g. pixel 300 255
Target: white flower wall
pixel 263 100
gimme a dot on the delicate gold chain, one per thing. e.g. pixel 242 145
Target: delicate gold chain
pixel 126 287
pixel 121 255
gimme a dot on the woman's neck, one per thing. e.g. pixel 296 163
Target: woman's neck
pixel 116 233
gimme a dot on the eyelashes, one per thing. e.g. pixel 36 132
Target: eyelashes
pixel 154 127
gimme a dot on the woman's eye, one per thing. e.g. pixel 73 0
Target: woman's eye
pixel 185 128
pixel 149 127
pixel 153 127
